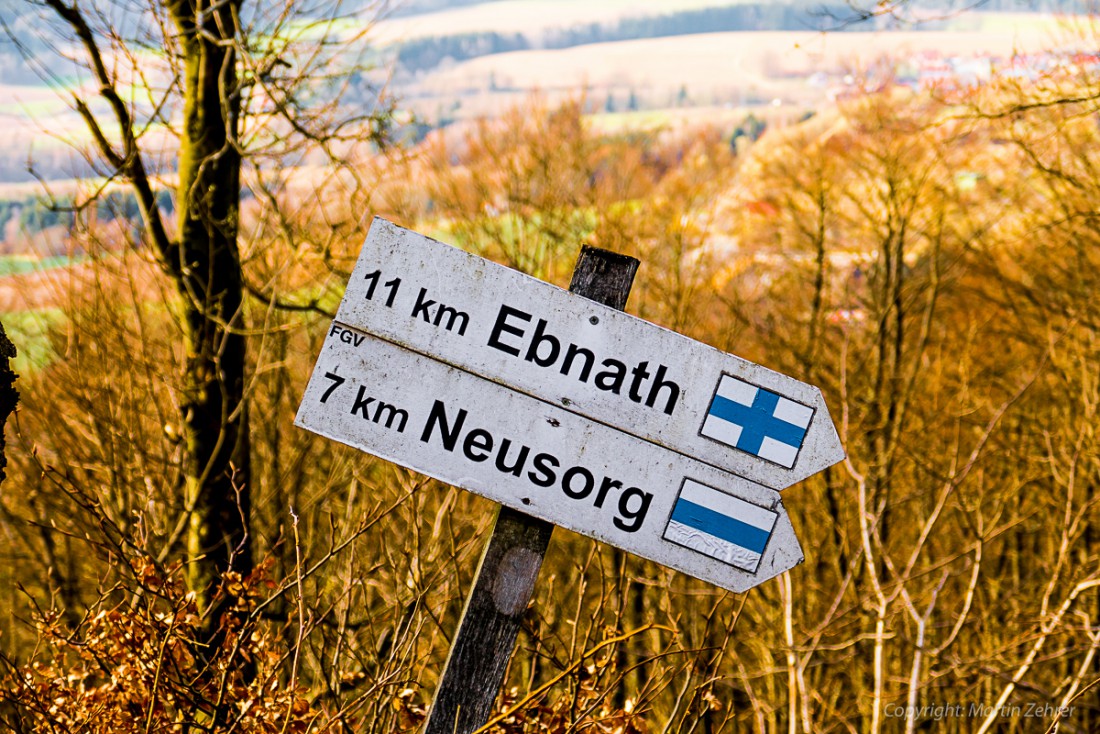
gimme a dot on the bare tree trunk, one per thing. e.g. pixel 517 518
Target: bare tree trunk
pixel 210 282
pixel 9 396
pixel 204 263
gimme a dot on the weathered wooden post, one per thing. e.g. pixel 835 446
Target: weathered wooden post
pixel 505 579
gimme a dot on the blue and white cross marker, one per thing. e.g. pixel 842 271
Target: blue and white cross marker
pixel 757 421
pixel 720 526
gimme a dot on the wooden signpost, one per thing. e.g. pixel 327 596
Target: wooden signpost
pixel 567 412
pixel 505 579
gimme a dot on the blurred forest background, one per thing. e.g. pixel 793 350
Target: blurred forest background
pixel 903 210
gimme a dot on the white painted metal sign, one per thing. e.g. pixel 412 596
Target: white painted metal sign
pixel 592 360
pixel 539 457
pixel 567 410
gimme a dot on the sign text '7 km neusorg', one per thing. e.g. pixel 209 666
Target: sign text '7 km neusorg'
pixel 547 461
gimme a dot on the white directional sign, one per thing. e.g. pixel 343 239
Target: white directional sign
pixel 590 359
pixel 568 410
pixel 547 461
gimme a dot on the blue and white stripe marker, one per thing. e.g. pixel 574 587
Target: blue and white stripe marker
pixel 757 421
pixel 720 526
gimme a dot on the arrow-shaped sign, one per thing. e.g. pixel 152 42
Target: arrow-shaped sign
pixel 595 361
pixel 546 461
